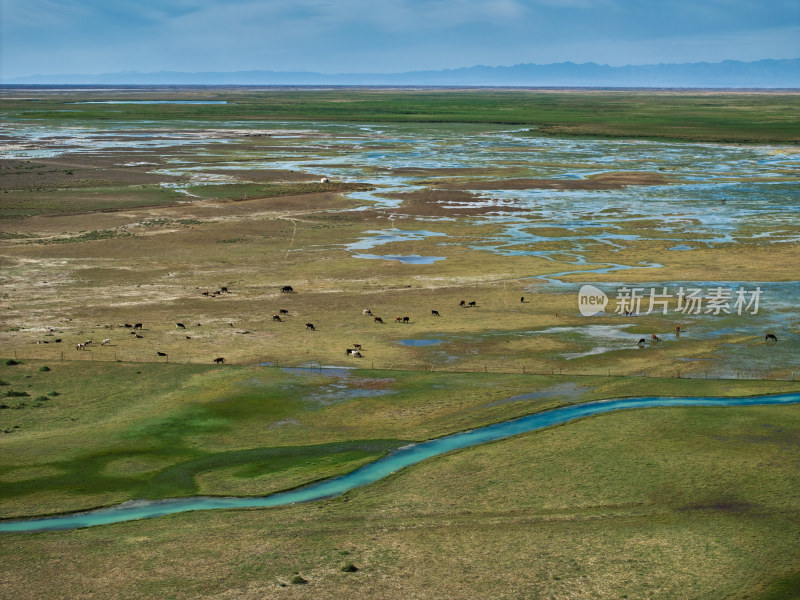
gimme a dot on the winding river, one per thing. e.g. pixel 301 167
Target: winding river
pixel 399 459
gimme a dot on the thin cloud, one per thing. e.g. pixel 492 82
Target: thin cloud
pixel 57 36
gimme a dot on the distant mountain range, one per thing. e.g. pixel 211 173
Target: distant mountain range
pixel 726 74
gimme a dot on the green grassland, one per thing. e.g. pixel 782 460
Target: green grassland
pixel 646 503
pixel 703 116
pixel 77 435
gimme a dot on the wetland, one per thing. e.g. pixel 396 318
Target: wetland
pixel 469 230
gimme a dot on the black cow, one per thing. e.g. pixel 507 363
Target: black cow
pixel 473 303
pixel 137 326
pixel 406 319
pixel 378 320
pixel 462 303
pixel 276 318
pixel 771 337
pixel 287 289
pixel 435 313
pixel 161 353
pixel 283 311
pixel 310 326
pixel 219 360
pixel 181 325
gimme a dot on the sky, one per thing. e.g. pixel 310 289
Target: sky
pixel 51 37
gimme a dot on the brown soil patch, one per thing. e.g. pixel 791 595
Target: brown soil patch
pixel 74 172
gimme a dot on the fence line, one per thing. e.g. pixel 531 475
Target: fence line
pixel 520 369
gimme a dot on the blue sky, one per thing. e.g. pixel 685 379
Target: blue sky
pixel 336 36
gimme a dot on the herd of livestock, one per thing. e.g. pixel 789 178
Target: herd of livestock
pixel 354 352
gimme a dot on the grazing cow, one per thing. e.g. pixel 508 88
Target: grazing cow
pixel 58 340
pixel 406 319
pixel 654 337
pixel 87 342
pixel 310 326
pixel 398 319
pixel 128 325
pixel 641 343
pixel 138 326
pixel 287 289
pixel 435 313
pixel 283 311
pixel 188 337
pixel 462 303
pixel 80 347
pixel 522 299
pixel 181 325
pixel 770 337
pixel 139 337
pixel 324 180
pixel 354 353
pixel 161 353
pixel 219 361
pixel 357 346
pixel 473 303
pixel 224 290
pixel 367 312
pixel 105 341
pixel 205 293
pixel 378 320
pixel 276 318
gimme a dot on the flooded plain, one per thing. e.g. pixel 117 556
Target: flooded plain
pixel 612 213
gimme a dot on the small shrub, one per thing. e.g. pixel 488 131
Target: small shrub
pixel 16 394
pixel 299 580
pixel 2 406
pixel 4 382
pixel 44 368
pixel 54 394
pixel 349 568
pixel 11 362
pixel 41 399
